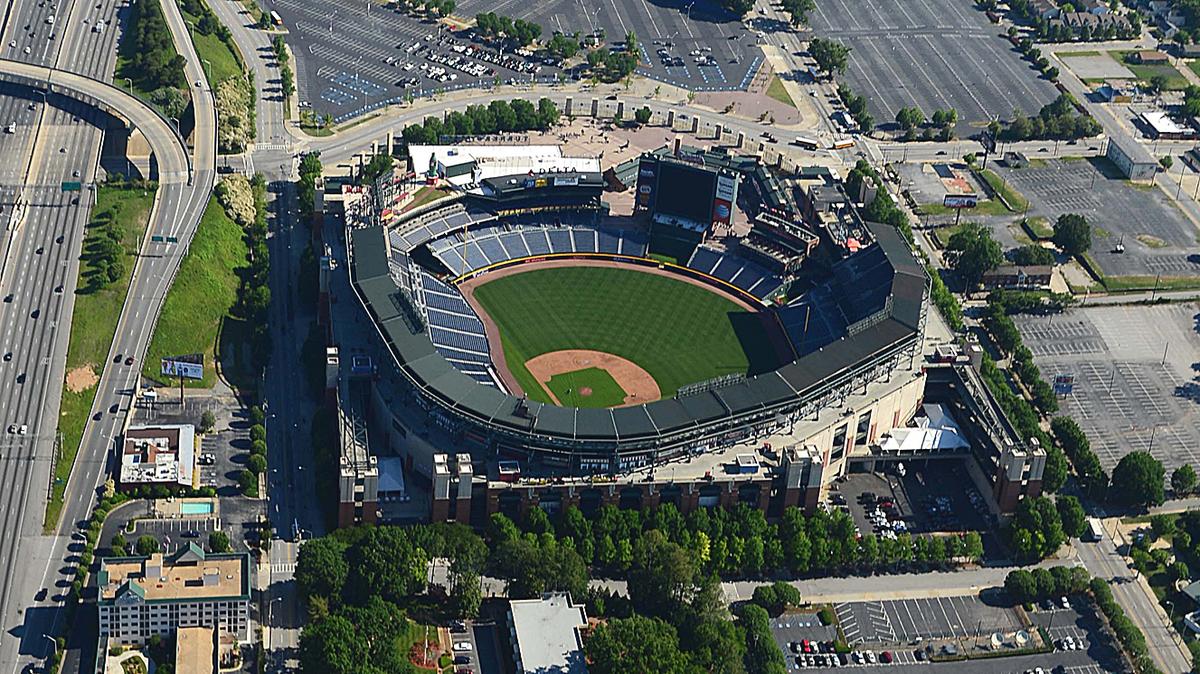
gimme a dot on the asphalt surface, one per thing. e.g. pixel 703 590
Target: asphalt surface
pixel 350 59
pixel 703 25
pixel 1158 237
pixel 932 54
pixel 64 144
pixel 1126 395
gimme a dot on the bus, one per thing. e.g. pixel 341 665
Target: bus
pixel 1095 530
pixel 276 20
pixel 843 144
pixel 808 143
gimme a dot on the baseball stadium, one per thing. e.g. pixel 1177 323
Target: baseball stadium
pixel 525 323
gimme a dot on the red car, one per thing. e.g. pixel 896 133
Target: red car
pixel 129 360
pixel 885 657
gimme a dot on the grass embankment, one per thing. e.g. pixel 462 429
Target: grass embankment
pixel 201 300
pixel 223 59
pixel 1016 201
pixel 679 333
pixel 776 90
pixel 988 207
pixel 124 210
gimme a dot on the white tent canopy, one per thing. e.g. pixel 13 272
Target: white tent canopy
pixel 936 431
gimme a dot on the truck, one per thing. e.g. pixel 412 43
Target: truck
pixel 1095 530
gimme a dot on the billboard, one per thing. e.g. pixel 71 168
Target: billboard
pixel 726 187
pixel 647 174
pixel 190 366
pixel 566 181
pixel 722 211
pixel 960 200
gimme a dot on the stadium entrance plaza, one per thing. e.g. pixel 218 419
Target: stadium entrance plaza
pixel 1136 376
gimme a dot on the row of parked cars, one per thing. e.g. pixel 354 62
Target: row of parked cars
pixel 834 660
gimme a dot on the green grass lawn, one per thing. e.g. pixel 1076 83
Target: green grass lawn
pixel 986 207
pixel 197 308
pixel 678 332
pixel 1039 227
pixel 604 390
pixel 224 60
pixel 1015 199
pixel 775 90
pixel 94 320
pixel 1175 79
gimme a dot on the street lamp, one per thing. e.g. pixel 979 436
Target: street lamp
pixel 130 83
pixel 689 10
pixel 53 644
pixel 208 71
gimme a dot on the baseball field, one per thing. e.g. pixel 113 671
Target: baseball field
pixel 673 331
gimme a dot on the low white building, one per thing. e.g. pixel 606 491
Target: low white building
pixel 545 635
pixel 158 455
pixel 143 596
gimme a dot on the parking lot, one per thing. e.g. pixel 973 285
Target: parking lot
pixel 911 621
pixel 356 58
pixel 935 497
pixel 1136 385
pixel 1158 238
pixel 933 54
pixel 709 48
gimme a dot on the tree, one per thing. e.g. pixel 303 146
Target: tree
pixel 831 57
pixel 974 252
pixel 257 463
pixel 248 483
pixel 762 653
pixel 377 166
pixel 387 563
pixel 321 568
pixel 1183 480
pixel 663 577
pixel 642 115
pixel 1137 480
pixel 631 42
pixel 218 541
pixel 147 545
pixel 636 644
pixel 465 593
pixel 1032 254
pixel 258 432
pixel 1157 84
pixel 1166 161
pixel 910 118
pixel 1074 520
pixel 798 10
pixel 1020 586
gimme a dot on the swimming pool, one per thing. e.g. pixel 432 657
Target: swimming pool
pixel 196 508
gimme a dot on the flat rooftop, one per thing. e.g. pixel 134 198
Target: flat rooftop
pixel 188 574
pixel 547 633
pixel 194 650
pixel 159 454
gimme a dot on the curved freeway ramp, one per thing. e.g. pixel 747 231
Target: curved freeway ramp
pixel 174 162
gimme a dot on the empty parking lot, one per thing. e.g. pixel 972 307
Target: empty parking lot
pixel 932 54
pixel 904 621
pixel 1135 377
pixel 1158 237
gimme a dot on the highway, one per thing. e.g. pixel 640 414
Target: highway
pixel 41 275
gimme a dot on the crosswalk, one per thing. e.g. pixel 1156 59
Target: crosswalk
pixel 283 568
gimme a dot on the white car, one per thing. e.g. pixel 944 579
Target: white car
pixel 464 646
pixel 23 429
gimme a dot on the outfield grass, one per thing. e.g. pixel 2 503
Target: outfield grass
pixel 776 90
pixel 677 332
pixel 605 391
pixel 199 303
pixel 94 321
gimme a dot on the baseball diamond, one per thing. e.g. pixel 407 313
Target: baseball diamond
pixel 677 332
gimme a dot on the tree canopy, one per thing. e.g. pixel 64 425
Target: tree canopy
pixel 974 252
pixel 831 57
pixel 1137 480
pixel 1072 233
